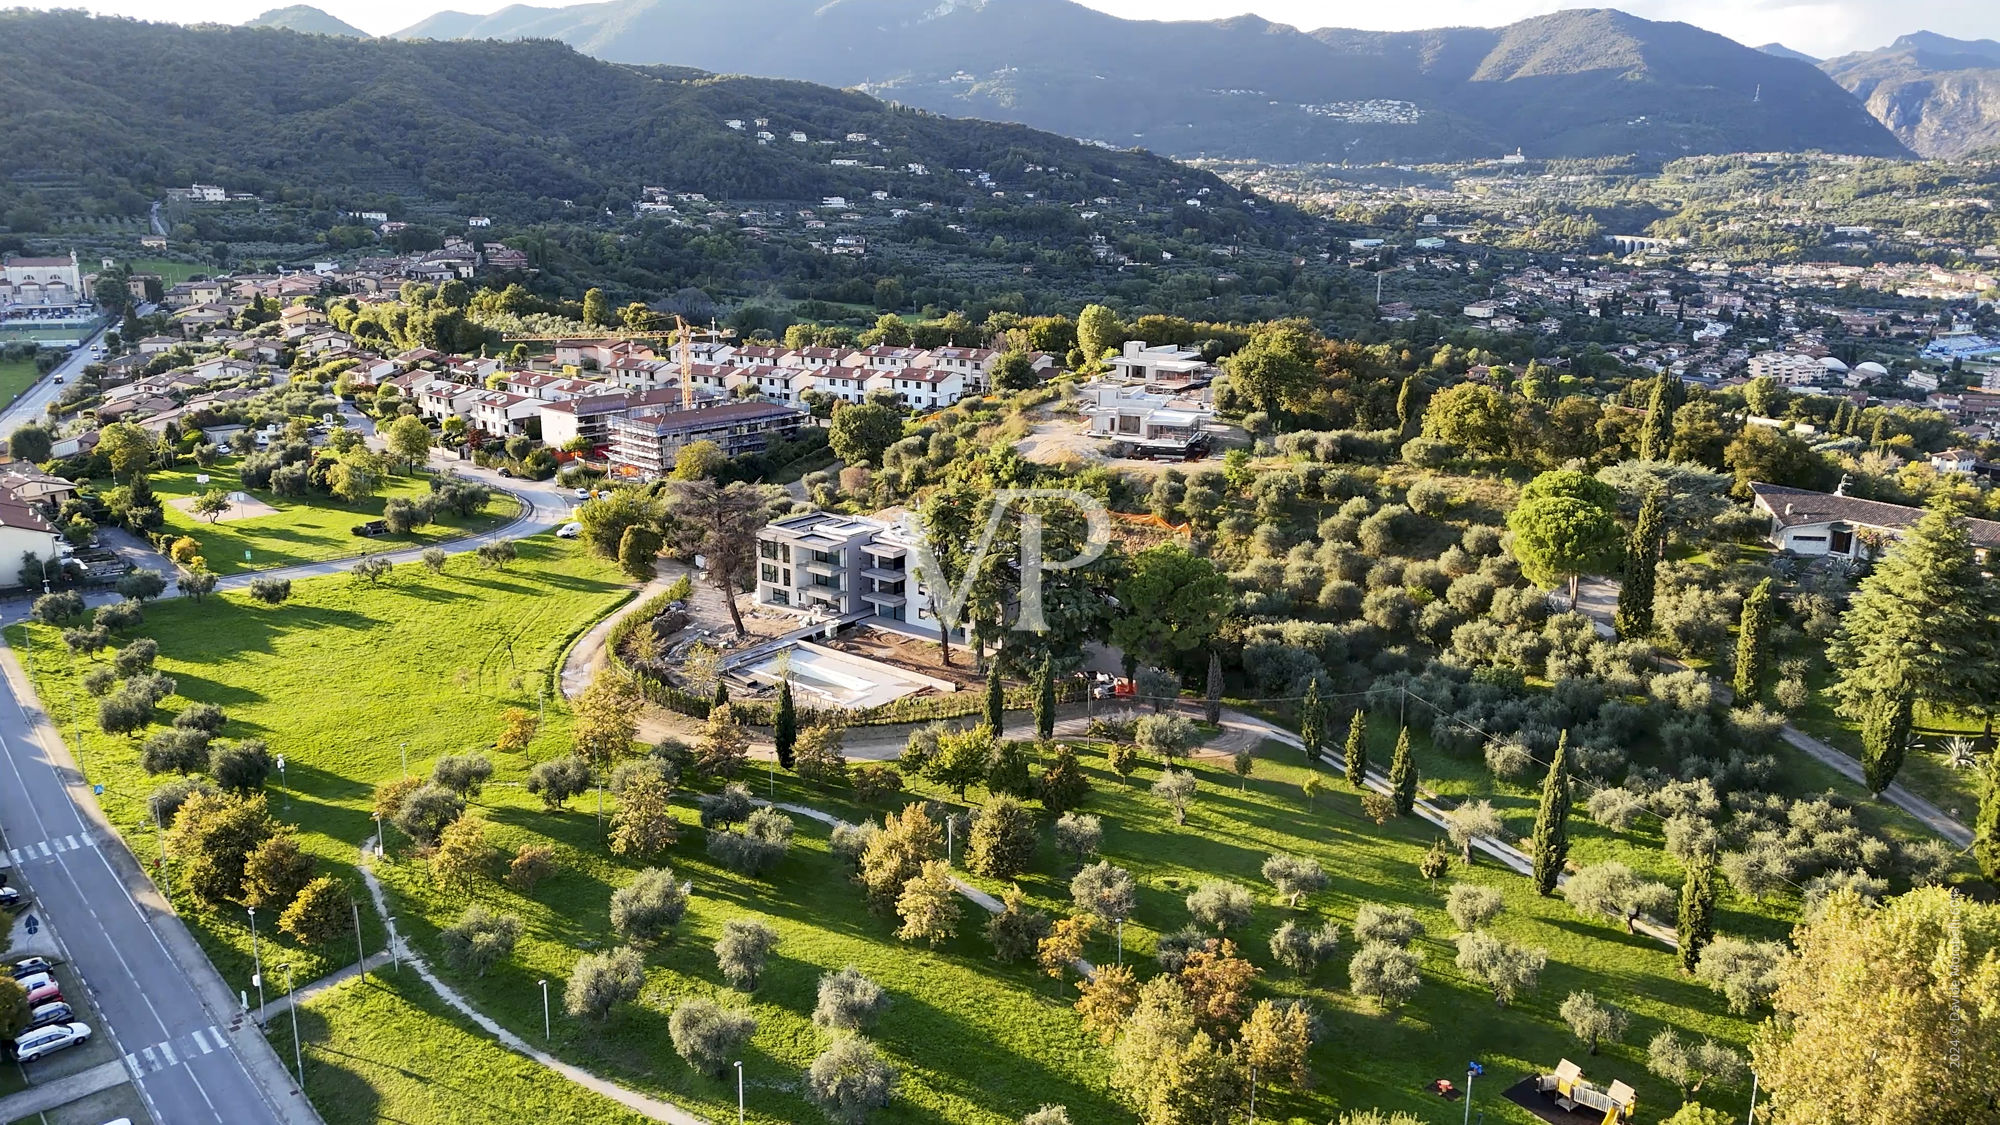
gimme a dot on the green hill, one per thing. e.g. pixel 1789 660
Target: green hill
pixel 525 130
pixel 1940 96
pixel 1577 83
pixel 306 18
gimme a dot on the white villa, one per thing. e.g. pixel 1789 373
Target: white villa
pixel 824 565
pixel 1811 523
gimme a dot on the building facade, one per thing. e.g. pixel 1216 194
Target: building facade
pixel 840 566
pixel 36 283
pixel 645 441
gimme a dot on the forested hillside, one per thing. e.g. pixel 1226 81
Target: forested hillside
pixel 1576 83
pixel 513 129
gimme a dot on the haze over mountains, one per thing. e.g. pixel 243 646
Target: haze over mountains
pixel 1578 83
pixel 1940 96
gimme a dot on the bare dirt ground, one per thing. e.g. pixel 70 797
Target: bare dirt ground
pixel 242 506
pixel 909 653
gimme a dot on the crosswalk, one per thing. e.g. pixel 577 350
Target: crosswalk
pixel 51 846
pixel 160 1056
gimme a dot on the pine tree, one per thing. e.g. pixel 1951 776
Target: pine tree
pixel 1697 914
pixel 1551 846
pixel 996 701
pixel 1212 710
pixel 1312 722
pixel 785 725
pixel 1656 433
pixel 1986 833
pixel 1045 700
pixel 1403 775
pixel 1918 631
pixel 1642 562
pixel 1355 753
pixel 1885 739
pixel 1753 644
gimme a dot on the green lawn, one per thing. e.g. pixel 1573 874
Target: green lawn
pixel 303 530
pixel 337 680
pixel 16 376
pixel 390 1050
pixel 171 272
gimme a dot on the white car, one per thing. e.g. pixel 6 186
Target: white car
pixel 570 530
pixel 48 1040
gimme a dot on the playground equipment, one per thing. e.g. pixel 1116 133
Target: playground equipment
pixel 1571 1092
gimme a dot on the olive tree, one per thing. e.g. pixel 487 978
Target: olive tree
pixel 648 908
pixel 1220 906
pixel 848 1001
pixel 743 948
pixel 1593 1023
pixel 708 1035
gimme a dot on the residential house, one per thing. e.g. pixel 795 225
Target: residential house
pixel 856 567
pixel 24 531
pixel 1162 365
pixel 973 365
pixel 1810 523
pixel 1139 415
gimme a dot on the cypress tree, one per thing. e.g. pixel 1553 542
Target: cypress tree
pixel 1408 412
pixel 1885 738
pixel 1753 644
pixel 1880 431
pixel 721 699
pixel 1656 433
pixel 1642 563
pixel 996 701
pixel 1403 776
pixel 1356 751
pixel 1312 722
pixel 1212 710
pixel 785 725
pixel 1697 915
pixel 1551 847
pixel 1986 833
pixel 1045 700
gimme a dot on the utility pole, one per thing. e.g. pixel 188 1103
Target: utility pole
pixel 360 951
pixel 298 1050
pixel 257 966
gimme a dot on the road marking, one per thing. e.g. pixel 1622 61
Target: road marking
pixel 54 845
pixel 152 1061
pixel 45 847
pixel 70 840
pixel 201 1041
pixel 167 1050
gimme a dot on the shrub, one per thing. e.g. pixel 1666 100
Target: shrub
pixel 271 591
pixel 850 841
pixel 743 948
pixel 530 865
pixel 1302 949
pixel 1220 906
pixel 425 812
pixel 757 847
pixel 319 914
pixel 707 1035
pixel 1385 973
pixel 1002 842
pixel 649 907
pixel 849 1080
pixel 1386 925
pixel 1078 836
pixel 602 981
pixel 1016 931
pixel 1472 906
pixel 479 939
pixel 848 1001
pixel 464 774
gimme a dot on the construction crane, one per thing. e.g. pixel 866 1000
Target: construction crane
pixel 684 354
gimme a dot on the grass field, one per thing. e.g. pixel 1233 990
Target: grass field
pixel 171 272
pixel 390 1050
pixel 338 680
pixel 304 530
pixel 16 376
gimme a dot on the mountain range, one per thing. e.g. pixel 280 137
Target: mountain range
pixel 1579 83
pixel 306 18
pixel 1940 96
pixel 524 130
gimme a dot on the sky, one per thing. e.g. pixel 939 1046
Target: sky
pixel 1818 27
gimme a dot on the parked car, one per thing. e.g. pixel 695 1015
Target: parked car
pixel 42 989
pixel 31 966
pixel 53 1012
pixel 583 494
pixel 42 1041
pixel 59 379
pixel 570 530
pixel 11 898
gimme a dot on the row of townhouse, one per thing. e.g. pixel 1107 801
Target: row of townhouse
pixel 922 378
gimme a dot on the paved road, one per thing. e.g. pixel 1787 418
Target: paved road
pixel 194 1058
pixel 33 406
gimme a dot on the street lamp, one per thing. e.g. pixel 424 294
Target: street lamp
pixel 298 1051
pixel 282 784
pixel 257 961
pixel 739 1092
pixel 545 1011
pixel 1472 1071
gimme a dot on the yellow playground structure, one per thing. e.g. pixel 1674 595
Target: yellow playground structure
pixel 1570 1091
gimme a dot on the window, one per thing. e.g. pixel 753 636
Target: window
pixel 768 572
pixel 781 597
